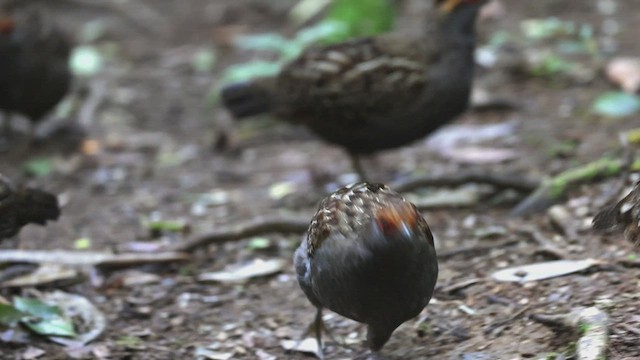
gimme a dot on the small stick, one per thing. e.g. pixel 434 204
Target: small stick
pixel 84 258
pixel 499 181
pixel 474 249
pixel 253 227
pixel 592 325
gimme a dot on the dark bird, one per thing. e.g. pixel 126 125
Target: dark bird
pixel 373 93
pixel 34 57
pixel 22 206
pixel 622 216
pixel 368 256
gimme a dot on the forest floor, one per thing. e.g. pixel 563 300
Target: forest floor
pixel 164 155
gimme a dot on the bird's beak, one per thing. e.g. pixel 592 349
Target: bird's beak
pixel 448 5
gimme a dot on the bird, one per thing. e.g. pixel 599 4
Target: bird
pixel 34 56
pixel 373 93
pixel 622 216
pixel 368 256
pixel 20 206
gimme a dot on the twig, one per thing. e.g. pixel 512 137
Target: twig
pixel 554 189
pixel 546 246
pixel 254 227
pixel 592 325
pixel 84 258
pixel 442 255
pixel 631 329
pixel 501 323
pixel 459 286
pixel 97 94
pixel 499 181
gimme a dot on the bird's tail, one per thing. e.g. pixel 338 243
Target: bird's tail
pixel 244 99
pixel 39 206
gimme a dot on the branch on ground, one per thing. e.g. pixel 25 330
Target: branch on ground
pixel 553 190
pixel 590 322
pixel 255 227
pixel 85 258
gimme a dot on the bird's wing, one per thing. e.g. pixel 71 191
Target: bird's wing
pixel 365 77
pixel 623 215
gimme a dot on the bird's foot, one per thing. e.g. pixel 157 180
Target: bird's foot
pixel 317 327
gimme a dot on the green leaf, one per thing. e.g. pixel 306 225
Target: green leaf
pixel 259 243
pixel 323 31
pixel 45 319
pixel 203 60
pixel 9 316
pixel 35 307
pixel 616 104
pixel 539 29
pixel 51 326
pixel 361 17
pixel 169 226
pixel 82 243
pixel 552 64
pixel 86 61
pixel 263 42
pixel 243 72
pixel 38 167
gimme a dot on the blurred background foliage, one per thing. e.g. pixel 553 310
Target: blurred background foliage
pixel 342 20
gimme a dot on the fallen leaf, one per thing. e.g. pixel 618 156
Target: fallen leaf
pixel 616 104
pixel 256 268
pixel 32 353
pixel 43 318
pixel 479 155
pixel 625 72
pixel 544 270
pixel 308 345
pixel 78 307
pixel 46 273
pixel 204 353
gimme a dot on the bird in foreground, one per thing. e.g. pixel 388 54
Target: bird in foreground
pixel 368 256
pixel 34 56
pixel 624 215
pixel 21 206
pixel 373 93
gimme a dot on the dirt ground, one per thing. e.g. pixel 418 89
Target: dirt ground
pixel 161 151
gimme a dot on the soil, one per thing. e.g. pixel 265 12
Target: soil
pixel 161 147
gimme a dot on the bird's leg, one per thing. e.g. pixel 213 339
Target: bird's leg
pixel 356 162
pixel 6 130
pixel 31 135
pixel 318 326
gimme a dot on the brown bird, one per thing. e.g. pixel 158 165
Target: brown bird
pixel 624 215
pixel 22 206
pixel 34 57
pixel 368 256
pixel 373 93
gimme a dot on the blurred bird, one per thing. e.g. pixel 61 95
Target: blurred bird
pixel 624 215
pixel 373 93
pixel 22 206
pixel 34 58
pixel 368 256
